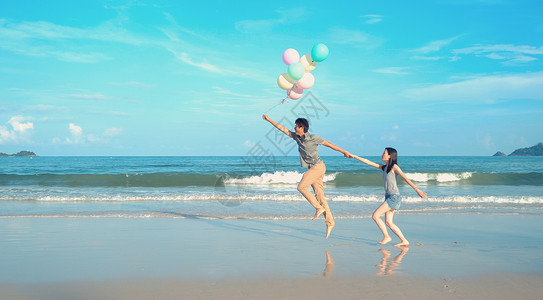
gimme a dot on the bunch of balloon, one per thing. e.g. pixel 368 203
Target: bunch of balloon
pixel 298 77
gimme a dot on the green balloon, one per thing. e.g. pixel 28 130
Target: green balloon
pixel 296 70
pixel 319 52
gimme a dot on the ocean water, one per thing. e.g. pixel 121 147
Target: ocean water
pixel 258 187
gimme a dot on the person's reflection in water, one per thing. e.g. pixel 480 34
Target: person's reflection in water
pixel 386 266
pixel 329 267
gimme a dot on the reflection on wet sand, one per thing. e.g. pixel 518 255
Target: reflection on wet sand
pixel 387 266
pixel 329 267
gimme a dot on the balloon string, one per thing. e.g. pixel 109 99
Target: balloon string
pixel 280 102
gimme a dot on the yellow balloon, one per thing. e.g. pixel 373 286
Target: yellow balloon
pixel 308 63
pixel 285 82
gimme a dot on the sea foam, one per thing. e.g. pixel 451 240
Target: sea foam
pixel 278 177
pixel 283 197
pixel 439 177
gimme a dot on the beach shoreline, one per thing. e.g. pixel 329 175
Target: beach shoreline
pixel 491 286
pixel 451 255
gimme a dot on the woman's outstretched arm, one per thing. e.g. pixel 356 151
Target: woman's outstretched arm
pixel 399 171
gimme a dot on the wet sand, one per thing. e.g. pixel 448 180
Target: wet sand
pixel 456 256
pixel 501 286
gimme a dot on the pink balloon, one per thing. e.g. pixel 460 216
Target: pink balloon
pixel 307 81
pixel 295 93
pixel 290 56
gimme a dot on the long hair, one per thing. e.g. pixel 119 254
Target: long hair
pixel 393 160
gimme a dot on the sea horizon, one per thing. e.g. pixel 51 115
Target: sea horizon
pixel 259 187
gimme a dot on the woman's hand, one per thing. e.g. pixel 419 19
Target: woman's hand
pixel 422 194
pixel 265 117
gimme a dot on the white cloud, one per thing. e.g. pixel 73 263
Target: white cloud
pixel 500 48
pixel 93 138
pixel 422 144
pixel 79 57
pixel 495 56
pixel 19 129
pixel 389 137
pixel 75 130
pixel 132 84
pixel 522 59
pixel 249 144
pixel 111 132
pixel 223 91
pixel 72 44
pixel 78 137
pixel 247 26
pixel 45 39
pixel 392 70
pixel 484 88
pixel 230 71
pixel 509 53
pixel 352 139
pixel 290 16
pixel 184 57
pixel 86 96
pixel 18 126
pixel 77 134
pixel 373 19
pixel 420 57
pixel 6 135
pixel 355 37
pixel 488 142
pixel 435 46
pixel 41 30
pixel 177 27
pixel 43 107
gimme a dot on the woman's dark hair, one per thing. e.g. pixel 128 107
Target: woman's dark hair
pixel 302 122
pixel 393 160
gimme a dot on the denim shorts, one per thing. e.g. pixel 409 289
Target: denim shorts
pixel 394 201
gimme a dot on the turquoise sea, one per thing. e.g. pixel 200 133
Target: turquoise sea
pixel 257 187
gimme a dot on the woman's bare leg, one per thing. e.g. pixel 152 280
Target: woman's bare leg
pixel 377 218
pixel 389 222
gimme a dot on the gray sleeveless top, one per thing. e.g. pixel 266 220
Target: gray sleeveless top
pixel 389 179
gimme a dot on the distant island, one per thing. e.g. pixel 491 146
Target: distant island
pixel 536 150
pixel 19 154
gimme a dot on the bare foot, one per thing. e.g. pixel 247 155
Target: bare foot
pixel 318 213
pixel 385 240
pixel 402 244
pixel 329 229
pixel 329 260
pixel 385 252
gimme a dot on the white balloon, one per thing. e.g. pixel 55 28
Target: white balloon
pixel 285 82
pixel 295 93
pixel 307 81
pixel 308 63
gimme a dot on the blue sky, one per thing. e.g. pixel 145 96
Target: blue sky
pixel 451 77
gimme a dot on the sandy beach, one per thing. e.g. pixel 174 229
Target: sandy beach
pixel 452 256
